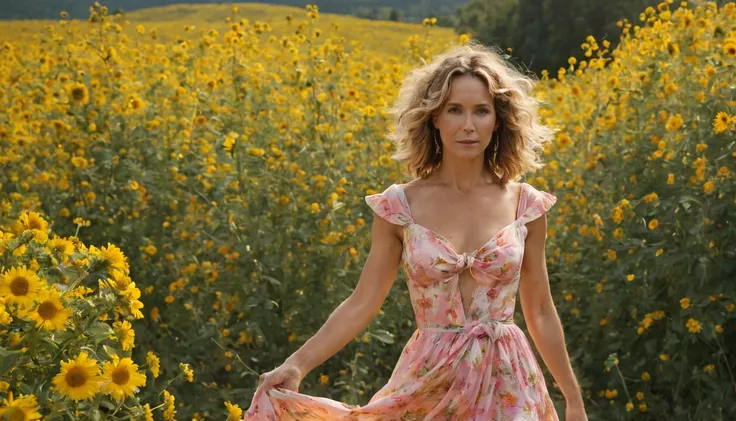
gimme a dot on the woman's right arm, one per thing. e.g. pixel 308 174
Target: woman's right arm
pixel 361 307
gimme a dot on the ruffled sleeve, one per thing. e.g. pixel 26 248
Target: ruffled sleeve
pixel 390 206
pixel 538 202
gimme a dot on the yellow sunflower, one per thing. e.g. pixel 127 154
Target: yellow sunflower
pixel 132 293
pixel 148 413
pixel 50 313
pixel 79 379
pixel 32 221
pixel 135 308
pixel 134 103
pixel 25 408
pixel 674 123
pixel 5 318
pixel 126 334
pixel 78 92
pixel 729 48
pixel 188 372
pixel 5 237
pixel 113 256
pixel 20 285
pixel 234 411
pixel 61 246
pixel 170 406
pixel 118 281
pixel 121 378
pixel 154 364
pixel 720 123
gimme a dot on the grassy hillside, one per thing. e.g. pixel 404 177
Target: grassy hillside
pixel 409 11
pixel 170 22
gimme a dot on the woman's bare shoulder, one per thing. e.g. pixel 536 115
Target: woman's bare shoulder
pixel 418 187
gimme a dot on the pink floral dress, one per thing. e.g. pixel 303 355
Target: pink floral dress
pixel 456 366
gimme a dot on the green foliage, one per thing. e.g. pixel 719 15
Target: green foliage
pixel 61 301
pixel 544 33
pixel 646 255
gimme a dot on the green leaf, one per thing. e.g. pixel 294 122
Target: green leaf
pixel 107 404
pixel 5 353
pixel 50 342
pixel 110 351
pixel 382 336
pixel 100 332
pixel 695 228
pixel 7 358
pixel 63 335
pixel 272 280
pixel 25 389
pixel 685 202
pixel 101 329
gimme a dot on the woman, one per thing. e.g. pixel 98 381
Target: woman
pixel 468 239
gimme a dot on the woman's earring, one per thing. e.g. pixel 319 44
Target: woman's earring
pixel 494 150
pixel 436 143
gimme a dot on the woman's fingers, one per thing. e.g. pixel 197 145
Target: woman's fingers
pixel 276 378
pixel 263 385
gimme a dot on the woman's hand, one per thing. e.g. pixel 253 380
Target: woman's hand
pixel 575 411
pixel 286 376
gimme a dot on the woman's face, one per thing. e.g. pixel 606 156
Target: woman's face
pixel 467 120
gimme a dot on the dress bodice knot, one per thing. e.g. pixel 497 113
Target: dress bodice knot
pixel 464 260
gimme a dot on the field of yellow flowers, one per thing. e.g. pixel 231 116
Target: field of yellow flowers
pixel 181 206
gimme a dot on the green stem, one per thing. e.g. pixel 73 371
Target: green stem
pixel 237 357
pixel 623 382
pixel 723 355
pixel 682 369
pixel 169 384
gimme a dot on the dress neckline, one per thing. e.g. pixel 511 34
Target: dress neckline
pixel 448 242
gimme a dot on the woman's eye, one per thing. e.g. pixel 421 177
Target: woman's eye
pixel 457 110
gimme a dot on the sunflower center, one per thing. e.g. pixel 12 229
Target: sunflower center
pixel 13 414
pixel 78 94
pixel 19 286
pixel 34 224
pixel 47 310
pixel 120 376
pixel 75 377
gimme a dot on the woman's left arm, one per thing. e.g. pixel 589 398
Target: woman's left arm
pixel 540 313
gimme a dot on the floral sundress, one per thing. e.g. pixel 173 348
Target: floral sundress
pixel 455 366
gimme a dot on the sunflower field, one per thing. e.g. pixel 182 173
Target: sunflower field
pixel 181 207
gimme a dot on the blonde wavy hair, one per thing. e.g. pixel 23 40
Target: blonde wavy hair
pixel 513 148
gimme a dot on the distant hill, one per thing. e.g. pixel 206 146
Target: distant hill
pixel 409 11
pixel 169 22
